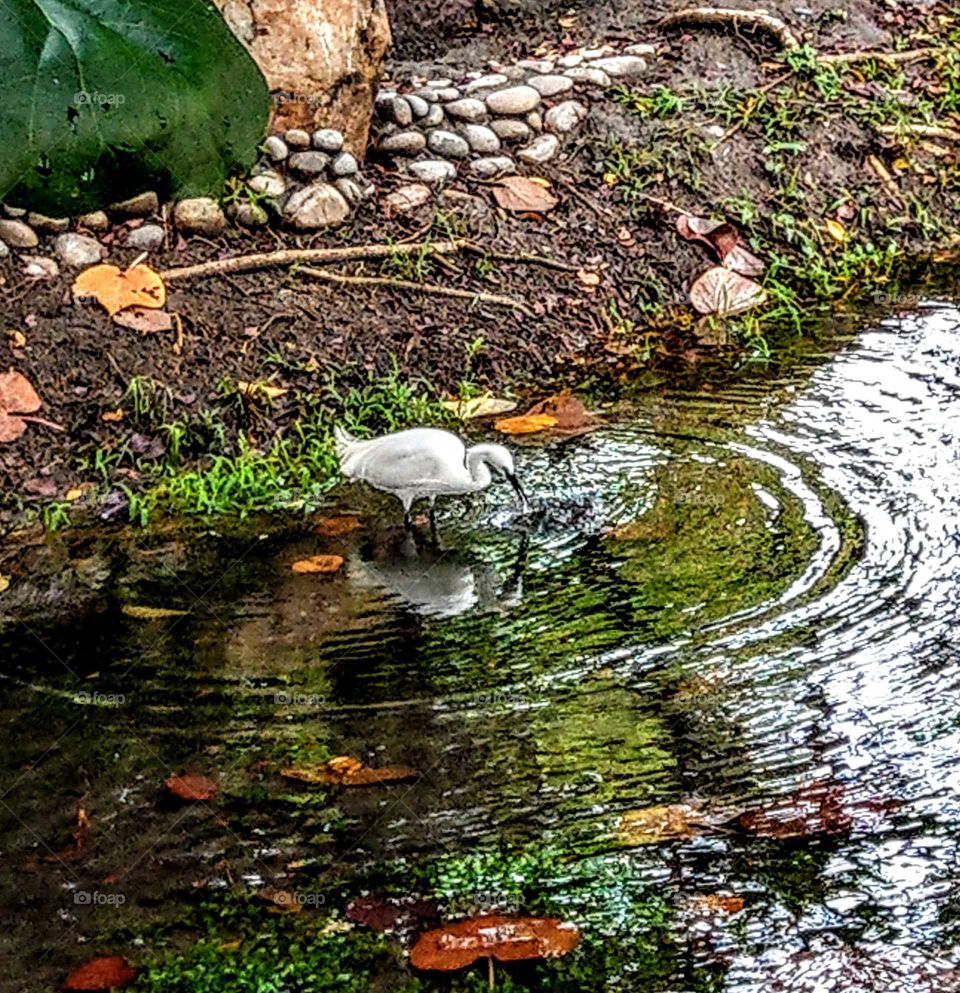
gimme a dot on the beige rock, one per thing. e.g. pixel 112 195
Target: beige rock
pixel 97 221
pixel 17 234
pixel 316 206
pixel 199 215
pixel 321 59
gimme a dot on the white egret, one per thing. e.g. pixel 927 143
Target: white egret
pixel 424 463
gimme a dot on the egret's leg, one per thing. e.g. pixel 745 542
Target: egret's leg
pixel 433 519
pixel 407 519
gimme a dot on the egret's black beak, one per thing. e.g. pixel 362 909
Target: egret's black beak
pixel 518 489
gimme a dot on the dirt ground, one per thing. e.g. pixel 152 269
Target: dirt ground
pixel 280 325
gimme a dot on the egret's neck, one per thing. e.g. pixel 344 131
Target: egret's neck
pixel 480 477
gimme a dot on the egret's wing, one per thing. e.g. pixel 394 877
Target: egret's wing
pixel 407 459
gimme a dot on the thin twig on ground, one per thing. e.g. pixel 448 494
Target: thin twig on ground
pixel 728 16
pixel 522 258
pixel 476 296
pixel 846 58
pixel 920 131
pixel 291 256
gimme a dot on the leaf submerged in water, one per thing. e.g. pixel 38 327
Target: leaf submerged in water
pixel 651 825
pixel 345 770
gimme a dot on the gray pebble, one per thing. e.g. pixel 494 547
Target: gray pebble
pixel 328 140
pixel 78 250
pixel 433 171
pixel 200 215
pixel 344 165
pixel 350 190
pixel 145 238
pixel 488 82
pixel 51 225
pixel 513 100
pixel 597 53
pixel 297 138
pixel 4 251
pixel 535 120
pixel 250 215
pixel 309 163
pixel 270 183
pixel 565 117
pixel 383 101
pixel 498 165
pixel 425 93
pixel 138 206
pixel 541 149
pixel 39 267
pixel 447 94
pixel 550 86
pixel 510 129
pixel 401 112
pixel 467 109
pixel 622 66
pixel 514 73
pixel 319 205
pixel 590 75
pixel 641 48
pixel 418 105
pixel 434 117
pixel 276 148
pixel 17 234
pixel 95 221
pixel 448 144
pixel 480 138
pixel 438 84
pixel 536 65
pixel 569 61
pixel 404 143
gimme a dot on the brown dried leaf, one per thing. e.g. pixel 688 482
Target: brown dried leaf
pixel 192 787
pixel 109 973
pixel 522 194
pixel 526 424
pixel 143 320
pixel 317 564
pixel 714 902
pixel 722 292
pixel 566 410
pixel 282 901
pixel 652 825
pixel 508 939
pixel 17 395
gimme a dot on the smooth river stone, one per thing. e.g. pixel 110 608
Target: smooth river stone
pixel 590 75
pixel 448 144
pixel 434 117
pixel 565 116
pixel 467 109
pixel 622 66
pixel 513 100
pixel 418 105
pixel 433 171
pixel 401 112
pixel 487 82
pixel 404 143
pixel 541 149
pixel 550 86
pixel 497 165
pixel 536 65
pixel 510 129
pixel 480 138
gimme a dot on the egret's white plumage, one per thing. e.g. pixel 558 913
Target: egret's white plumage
pixel 422 463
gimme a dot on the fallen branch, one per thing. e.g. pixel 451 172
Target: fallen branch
pixel 920 131
pixel 846 58
pixel 727 16
pixel 292 256
pixel 407 284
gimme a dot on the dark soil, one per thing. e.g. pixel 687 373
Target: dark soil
pixel 619 224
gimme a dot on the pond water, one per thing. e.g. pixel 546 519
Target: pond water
pixel 740 602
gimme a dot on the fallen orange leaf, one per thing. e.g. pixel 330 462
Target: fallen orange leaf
pixel 114 288
pixel 526 424
pixel 716 902
pixel 318 563
pixel 101 974
pixel 332 527
pixel 192 787
pixel 345 770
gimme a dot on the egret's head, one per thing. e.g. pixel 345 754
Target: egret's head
pixel 501 465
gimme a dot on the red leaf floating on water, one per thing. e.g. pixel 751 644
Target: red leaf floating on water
pixel 109 973
pixel 508 939
pixel 811 810
pixel 569 413
pixel 192 788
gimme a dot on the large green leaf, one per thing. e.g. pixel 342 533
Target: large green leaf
pixel 102 99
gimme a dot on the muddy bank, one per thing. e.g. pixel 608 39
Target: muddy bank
pixel 842 178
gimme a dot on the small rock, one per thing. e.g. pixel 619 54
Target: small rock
pixel 536 65
pixel 550 86
pixel 467 109
pixel 251 215
pixel 401 112
pixel 407 198
pixel 480 138
pixel 590 75
pixel 297 138
pixel 641 48
pixel 418 105
pixel 317 206
pixel 438 84
pixel 96 221
pixel 510 129
pixel 51 225
pixel 138 206
pixel 199 215
pixel 513 73
pixel 350 190
pixel 383 101
pixel 4 251
pixel 15 212
pixel 488 82
pixel 434 117
pixel 39 267
pixel 425 93
pixel 535 120
pixel 541 149
pixel 497 165
pixel 309 163
pixel 569 61
pixel 276 148
pixel 404 143
pixel 598 53
pixel 145 238
pixel 622 66
pixel 513 100
pixel 448 94
pixel 448 144
pixel 344 165
pixel 327 140
pixel 78 250
pixel 565 117
pixel 17 234
pixel 433 170
pixel 270 183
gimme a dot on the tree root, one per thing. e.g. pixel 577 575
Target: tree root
pixel 728 16
pixel 847 58
pixel 292 256
pixel 405 284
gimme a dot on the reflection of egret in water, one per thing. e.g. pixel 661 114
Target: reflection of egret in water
pixel 434 581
